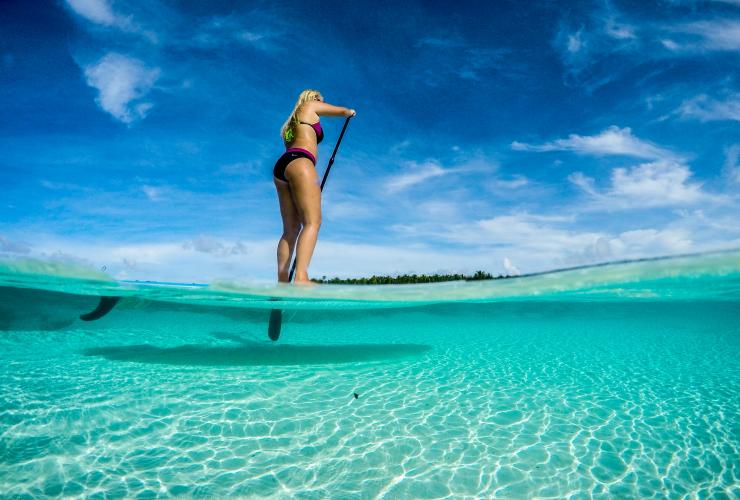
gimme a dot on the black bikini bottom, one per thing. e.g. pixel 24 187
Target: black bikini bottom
pixel 290 154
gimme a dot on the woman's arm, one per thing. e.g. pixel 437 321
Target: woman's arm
pixel 324 109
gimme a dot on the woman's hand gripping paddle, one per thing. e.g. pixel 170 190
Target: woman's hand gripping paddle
pixel 276 315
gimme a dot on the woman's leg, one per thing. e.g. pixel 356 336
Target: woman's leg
pixel 291 228
pixel 306 192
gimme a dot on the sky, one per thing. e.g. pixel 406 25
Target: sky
pixel 508 136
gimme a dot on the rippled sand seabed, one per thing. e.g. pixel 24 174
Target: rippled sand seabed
pixel 506 400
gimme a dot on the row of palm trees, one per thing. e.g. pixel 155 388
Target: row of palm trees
pixel 405 279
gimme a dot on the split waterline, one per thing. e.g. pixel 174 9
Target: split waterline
pixel 618 380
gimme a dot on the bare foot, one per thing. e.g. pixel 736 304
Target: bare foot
pixel 303 282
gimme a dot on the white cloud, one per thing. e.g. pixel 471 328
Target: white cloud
pixel 632 244
pixel 15 247
pixel 719 35
pixel 537 243
pixel 230 29
pixel 153 193
pixel 415 174
pixel 620 31
pixel 542 242
pixel 510 268
pixel 732 166
pixel 341 206
pixel 574 47
pixel 612 141
pixel 515 182
pixel 97 11
pixel 526 230
pixel 212 245
pixel 651 241
pixel 710 227
pixel 199 260
pixel 466 61
pixel 523 232
pixel 101 13
pixel 670 44
pixel 705 108
pixel 438 209
pixel 399 147
pixel 583 182
pixel 600 34
pixel 654 184
pixel 249 36
pixel 205 258
pixel 205 244
pixel 607 46
pixel 121 83
pixel 575 43
pixel 60 186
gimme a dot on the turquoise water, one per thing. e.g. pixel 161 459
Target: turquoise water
pixel 619 380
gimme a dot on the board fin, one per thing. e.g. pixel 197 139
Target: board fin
pixel 276 321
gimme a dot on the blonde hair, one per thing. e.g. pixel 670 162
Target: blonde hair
pixel 287 133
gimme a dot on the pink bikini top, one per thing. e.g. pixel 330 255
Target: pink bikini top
pixel 316 128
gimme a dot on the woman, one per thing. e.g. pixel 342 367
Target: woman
pixel 297 182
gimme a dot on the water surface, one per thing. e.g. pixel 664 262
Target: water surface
pixel 618 380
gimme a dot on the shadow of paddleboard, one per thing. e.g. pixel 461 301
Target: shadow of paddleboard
pixel 257 353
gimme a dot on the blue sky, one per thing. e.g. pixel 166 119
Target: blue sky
pixel 503 136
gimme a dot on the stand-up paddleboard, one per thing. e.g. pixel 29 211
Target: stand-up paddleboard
pixel 276 315
pixel 105 306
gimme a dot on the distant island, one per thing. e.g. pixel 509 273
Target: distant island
pixel 406 279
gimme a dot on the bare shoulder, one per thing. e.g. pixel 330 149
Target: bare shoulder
pixel 308 111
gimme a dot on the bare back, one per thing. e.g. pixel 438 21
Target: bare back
pixel 305 136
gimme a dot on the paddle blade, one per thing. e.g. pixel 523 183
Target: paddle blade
pixel 276 322
pixel 104 307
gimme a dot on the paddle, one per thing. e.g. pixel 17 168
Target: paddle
pixel 104 307
pixel 276 315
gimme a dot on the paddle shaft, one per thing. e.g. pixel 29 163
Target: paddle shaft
pixel 323 181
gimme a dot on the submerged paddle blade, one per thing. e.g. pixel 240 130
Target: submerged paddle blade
pixel 276 322
pixel 104 307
